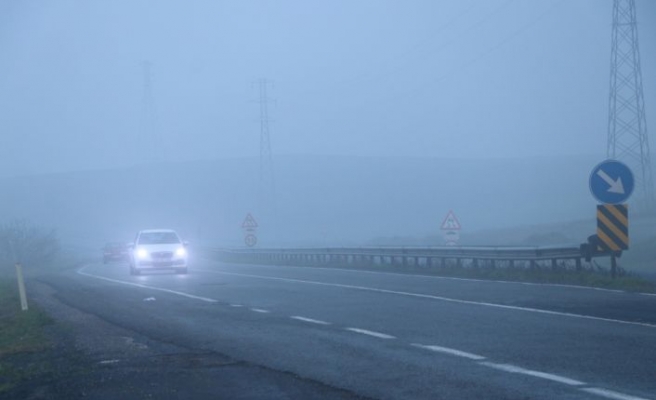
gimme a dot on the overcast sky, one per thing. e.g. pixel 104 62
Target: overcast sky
pixel 458 78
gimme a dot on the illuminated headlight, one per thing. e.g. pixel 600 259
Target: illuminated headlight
pixel 181 252
pixel 142 253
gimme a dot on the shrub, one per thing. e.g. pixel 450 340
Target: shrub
pixel 21 241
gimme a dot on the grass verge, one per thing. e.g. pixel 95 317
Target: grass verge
pixel 562 276
pixel 599 279
pixel 22 333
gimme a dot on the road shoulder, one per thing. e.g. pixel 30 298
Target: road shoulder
pixel 93 359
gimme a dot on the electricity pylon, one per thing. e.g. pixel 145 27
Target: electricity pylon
pixel 267 186
pixel 627 125
pixel 149 142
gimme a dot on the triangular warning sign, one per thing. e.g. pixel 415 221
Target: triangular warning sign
pixel 249 222
pixel 450 223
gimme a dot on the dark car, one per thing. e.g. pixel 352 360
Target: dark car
pixel 115 252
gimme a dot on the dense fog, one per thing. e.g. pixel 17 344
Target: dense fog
pixel 383 117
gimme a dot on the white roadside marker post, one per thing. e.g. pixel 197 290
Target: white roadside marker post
pixel 21 287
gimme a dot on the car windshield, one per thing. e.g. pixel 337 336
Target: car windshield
pixel 158 238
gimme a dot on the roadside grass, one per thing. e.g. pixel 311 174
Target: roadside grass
pixel 21 332
pixel 598 278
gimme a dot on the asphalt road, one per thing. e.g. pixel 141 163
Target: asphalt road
pixel 386 335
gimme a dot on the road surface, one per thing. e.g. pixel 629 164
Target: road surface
pixel 386 335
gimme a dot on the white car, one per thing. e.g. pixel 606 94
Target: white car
pixel 156 249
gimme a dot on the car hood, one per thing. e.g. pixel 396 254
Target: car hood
pixel 160 247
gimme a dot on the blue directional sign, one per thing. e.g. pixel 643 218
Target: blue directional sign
pixel 611 182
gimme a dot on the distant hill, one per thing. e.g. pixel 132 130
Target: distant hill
pixel 323 200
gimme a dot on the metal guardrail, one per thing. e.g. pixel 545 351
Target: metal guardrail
pixel 420 256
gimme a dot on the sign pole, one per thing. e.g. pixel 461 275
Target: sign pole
pixel 613 266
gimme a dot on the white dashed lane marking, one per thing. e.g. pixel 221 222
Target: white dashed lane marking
pixel 538 374
pixel 310 320
pixel 605 393
pixel 371 333
pixel 446 350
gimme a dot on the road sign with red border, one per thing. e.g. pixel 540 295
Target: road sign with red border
pixel 249 222
pixel 450 223
pixel 250 240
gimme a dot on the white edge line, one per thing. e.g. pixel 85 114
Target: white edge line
pixel 504 367
pixel 538 374
pixel 609 394
pixel 447 350
pixel 371 333
pixel 447 299
pixel 191 296
pixel 459 279
pixel 310 320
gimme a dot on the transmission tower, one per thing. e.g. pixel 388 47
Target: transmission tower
pixel 149 140
pixel 267 188
pixel 627 124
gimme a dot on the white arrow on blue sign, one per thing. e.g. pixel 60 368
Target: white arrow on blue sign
pixel 611 182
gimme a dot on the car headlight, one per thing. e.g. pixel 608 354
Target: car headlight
pixel 142 253
pixel 181 252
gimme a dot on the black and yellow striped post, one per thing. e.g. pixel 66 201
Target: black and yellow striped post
pixel 613 227
pixel 613 231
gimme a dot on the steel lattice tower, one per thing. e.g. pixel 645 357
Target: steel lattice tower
pixel 267 179
pixel 149 142
pixel 627 124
